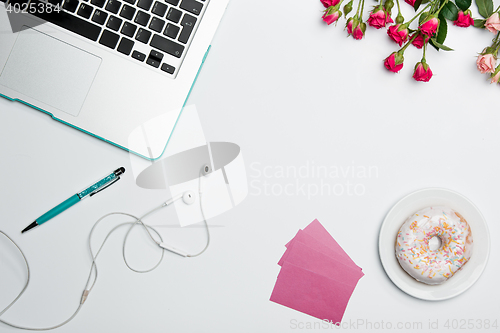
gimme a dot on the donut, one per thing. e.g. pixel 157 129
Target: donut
pixel 412 244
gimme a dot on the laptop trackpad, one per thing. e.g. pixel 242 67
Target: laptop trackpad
pixel 50 71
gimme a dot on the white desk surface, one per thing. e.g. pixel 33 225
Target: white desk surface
pixel 291 92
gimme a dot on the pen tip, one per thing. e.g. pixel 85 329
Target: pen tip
pixel 31 226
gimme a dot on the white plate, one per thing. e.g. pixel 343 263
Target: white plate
pixel 465 277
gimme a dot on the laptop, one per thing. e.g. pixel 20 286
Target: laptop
pixel 107 67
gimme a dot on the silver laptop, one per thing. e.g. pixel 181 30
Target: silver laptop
pixel 109 68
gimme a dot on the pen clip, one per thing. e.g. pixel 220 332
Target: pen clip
pixel 105 187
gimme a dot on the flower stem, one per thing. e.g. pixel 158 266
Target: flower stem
pixel 417 15
pixel 362 7
pixel 402 50
pixel 423 56
pixel 399 9
pixel 357 10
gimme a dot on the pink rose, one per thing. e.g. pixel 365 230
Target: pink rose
pixel 328 3
pixel 495 77
pixel 430 26
pixel 394 62
pixel 486 63
pixel 493 23
pixel 464 20
pixel 359 31
pixel 331 15
pixel 349 25
pixel 419 41
pixel 379 18
pixel 422 72
pixel 410 2
pixel 398 33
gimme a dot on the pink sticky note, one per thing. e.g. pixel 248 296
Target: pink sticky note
pixel 311 293
pixel 316 230
pixel 303 237
pixel 307 258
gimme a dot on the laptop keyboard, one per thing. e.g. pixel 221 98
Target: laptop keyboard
pixel 154 32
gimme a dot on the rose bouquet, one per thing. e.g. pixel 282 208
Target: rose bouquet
pixel 427 27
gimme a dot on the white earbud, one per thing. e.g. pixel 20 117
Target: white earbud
pixel 207 170
pixel 188 197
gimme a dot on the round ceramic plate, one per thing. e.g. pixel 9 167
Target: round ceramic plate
pixel 465 277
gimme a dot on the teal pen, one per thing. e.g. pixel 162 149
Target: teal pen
pixel 88 192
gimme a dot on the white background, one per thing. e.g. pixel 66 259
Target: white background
pixel 291 92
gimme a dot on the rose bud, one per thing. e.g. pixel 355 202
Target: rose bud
pixel 379 17
pixel 388 5
pixel 422 72
pixel 398 33
pixel 348 8
pixel 486 61
pixel 420 40
pixel 495 76
pixel 359 31
pixel 351 24
pixel 329 3
pixel 493 23
pixel 464 19
pixel 410 2
pixel 394 62
pixel 429 27
pixel 332 14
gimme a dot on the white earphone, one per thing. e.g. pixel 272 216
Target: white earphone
pixel 188 197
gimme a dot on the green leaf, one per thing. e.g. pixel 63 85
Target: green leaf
pixel 463 4
pixel 417 4
pixel 442 29
pixel 485 7
pixel 450 11
pixel 439 45
pixel 479 23
pixel 422 17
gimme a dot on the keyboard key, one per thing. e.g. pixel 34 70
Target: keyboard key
pixel 167 46
pixel 138 56
pixel 159 9
pixel 125 46
pixel 157 24
pixel 173 2
pixel 174 15
pixel 99 17
pixel 153 62
pixel 129 29
pixel 156 55
pixel 71 5
pixel 98 3
pixel 69 22
pixel 113 6
pixel 85 11
pixel 167 68
pixel 55 2
pixel 192 6
pixel 187 23
pixel 127 12
pixel 114 23
pixel 142 18
pixel 143 36
pixel 130 1
pixel 109 39
pixel 145 4
pixel 171 31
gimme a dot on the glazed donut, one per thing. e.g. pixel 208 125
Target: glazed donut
pixel 412 244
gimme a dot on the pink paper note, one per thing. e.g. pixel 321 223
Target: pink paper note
pixel 307 258
pixel 311 293
pixel 316 230
pixel 303 237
